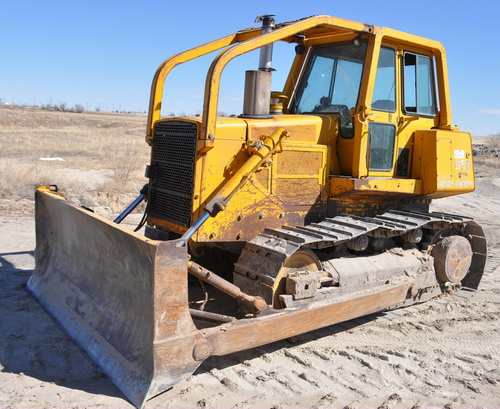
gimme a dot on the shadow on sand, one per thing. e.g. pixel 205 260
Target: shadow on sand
pixel 31 343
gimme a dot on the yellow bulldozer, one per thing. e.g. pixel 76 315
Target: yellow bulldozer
pixel 308 209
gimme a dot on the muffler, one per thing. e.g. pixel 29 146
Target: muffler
pixel 257 96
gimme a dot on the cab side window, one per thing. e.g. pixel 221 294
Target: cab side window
pixel 381 142
pixel 384 93
pixel 419 95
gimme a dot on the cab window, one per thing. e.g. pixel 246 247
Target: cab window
pixel 419 95
pixel 332 79
pixel 381 142
pixel 331 83
pixel 384 93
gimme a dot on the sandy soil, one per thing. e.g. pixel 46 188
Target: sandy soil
pixel 442 354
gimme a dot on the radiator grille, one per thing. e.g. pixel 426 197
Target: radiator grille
pixel 174 149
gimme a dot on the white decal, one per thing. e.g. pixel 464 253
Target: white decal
pixel 463 164
pixel 445 183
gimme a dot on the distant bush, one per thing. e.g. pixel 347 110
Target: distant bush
pixel 493 142
pixel 121 166
pixel 63 107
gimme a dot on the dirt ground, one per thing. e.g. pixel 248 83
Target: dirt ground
pixel 442 354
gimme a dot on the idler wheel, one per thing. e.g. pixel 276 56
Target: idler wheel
pixel 301 260
pixel 452 258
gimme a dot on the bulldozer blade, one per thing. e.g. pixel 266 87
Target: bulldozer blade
pixel 121 297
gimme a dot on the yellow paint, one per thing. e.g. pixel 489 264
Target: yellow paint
pixel 49 191
pixel 259 153
pixel 443 160
pixel 287 195
pixel 372 187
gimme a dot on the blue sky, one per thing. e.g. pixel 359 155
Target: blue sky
pixel 105 53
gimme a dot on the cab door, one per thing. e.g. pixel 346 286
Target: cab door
pixel 382 125
pixel 403 101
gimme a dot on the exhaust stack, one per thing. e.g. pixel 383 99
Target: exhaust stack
pixel 258 82
pixel 266 52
